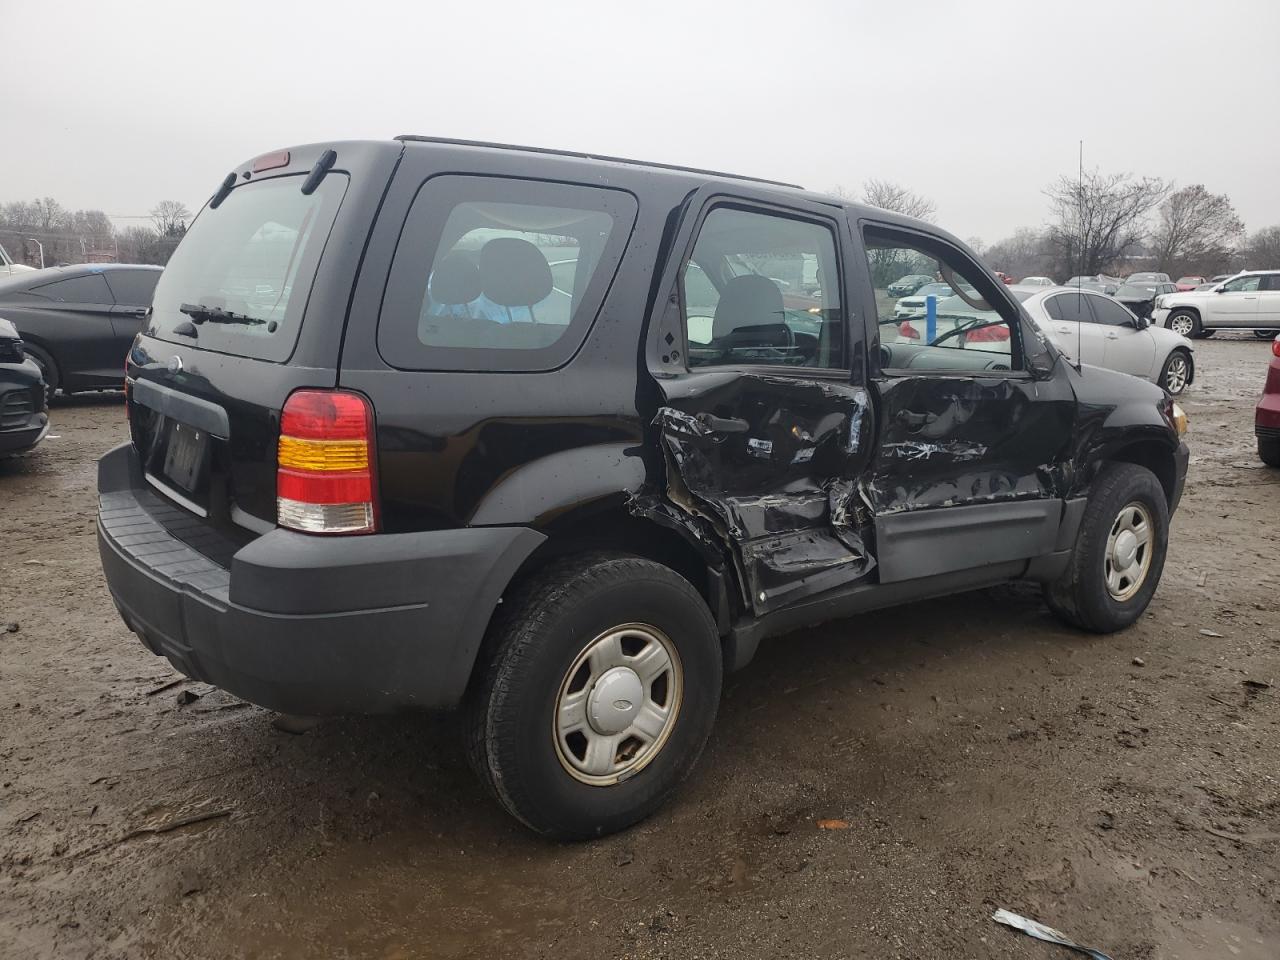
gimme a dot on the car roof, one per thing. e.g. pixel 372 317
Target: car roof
pixel 36 278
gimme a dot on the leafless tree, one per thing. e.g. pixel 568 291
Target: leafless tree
pixel 1263 249
pixel 1027 253
pixel 49 213
pixel 1098 216
pixel 1197 231
pixel 891 196
pixel 170 218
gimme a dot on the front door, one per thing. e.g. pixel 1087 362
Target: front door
pixel 764 426
pixel 1073 330
pixel 1236 304
pixel 975 423
pixel 1129 347
pixel 75 320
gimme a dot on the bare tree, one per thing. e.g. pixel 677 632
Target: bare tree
pixel 1098 216
pixel 1027 253
pixel 1263 249
pixel 49 213
pixel 170 218
pixel 1197 231
pixel 891 196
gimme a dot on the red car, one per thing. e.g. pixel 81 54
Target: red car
pixel 1266 419
pixel 1189 283
pixel 1005 278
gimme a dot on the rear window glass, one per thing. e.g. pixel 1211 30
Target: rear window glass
pixel 241 276
pixel 494 274
pixel 133 287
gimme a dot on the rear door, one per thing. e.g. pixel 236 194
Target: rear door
pixel 132 289
pixel 766 422
pixel 1269 301
pixel 1126 348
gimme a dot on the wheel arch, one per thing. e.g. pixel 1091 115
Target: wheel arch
pixel 1153 454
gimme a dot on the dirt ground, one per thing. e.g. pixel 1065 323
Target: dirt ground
pixel 1123 789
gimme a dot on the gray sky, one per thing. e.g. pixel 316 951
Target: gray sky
pixel 976 104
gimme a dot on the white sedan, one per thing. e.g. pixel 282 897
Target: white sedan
pixel 1093 328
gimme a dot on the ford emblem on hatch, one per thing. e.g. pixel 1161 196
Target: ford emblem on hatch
pixel 175 364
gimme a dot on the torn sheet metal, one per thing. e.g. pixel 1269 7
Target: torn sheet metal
pixel 774 486
pixel 1038 930
pixel 955 450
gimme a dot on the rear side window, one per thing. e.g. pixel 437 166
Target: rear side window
pixel 494 274
pixel 253 260
pixel 87 289
pixel 133 287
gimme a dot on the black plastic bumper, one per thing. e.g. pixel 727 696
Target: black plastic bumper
pixel 1181 457
pixel 22 439
pixel 304 624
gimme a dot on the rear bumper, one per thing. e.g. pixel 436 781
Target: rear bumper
pixel 303 624
pixel 1266 418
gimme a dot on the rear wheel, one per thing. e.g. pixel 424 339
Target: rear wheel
pixel 1185 323
pixel 1269 451
pixel 1119 552
pixel 48 369
pixel 1177 372
pixel 601 687
pixel 1264 334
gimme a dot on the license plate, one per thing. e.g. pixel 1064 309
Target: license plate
pixel 184 456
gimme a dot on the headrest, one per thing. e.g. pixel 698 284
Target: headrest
pixel 513 273
pixel 747 301
pixel 455 280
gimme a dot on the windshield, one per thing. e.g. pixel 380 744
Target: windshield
pixel 239 280
pixel 1139 291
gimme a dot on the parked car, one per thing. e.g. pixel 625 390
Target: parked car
pixel 1148 278
pixel 1097 283
pixel 10 269
pixel 78 322
pixel 905 286
pixel 1139 296
pixel 1266 418
pixel 1037 282
pixel 916 304
pixel 377 463
pixel 1249 300
pixel 1188 283
pixel 1093 328
pixel 23 420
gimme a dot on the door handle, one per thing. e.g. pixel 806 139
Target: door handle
pixel 913 419
pixel 1250 298
pixel 723 424
pixel 1064 329
pixel 1113 336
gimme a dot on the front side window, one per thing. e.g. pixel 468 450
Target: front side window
pixel 1242 285
pixel 1072 307
pixel 944 324
pixel 500 274
pixel 763 289
pixel 1111 313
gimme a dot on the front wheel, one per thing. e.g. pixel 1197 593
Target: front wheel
pixel 601 687
pixel 1176 373
pixel 1119 552
pixel 1185 323
pixel 48 368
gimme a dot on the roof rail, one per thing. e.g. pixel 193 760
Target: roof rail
pixel 591 156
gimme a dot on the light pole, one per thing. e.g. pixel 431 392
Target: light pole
pixel 41 246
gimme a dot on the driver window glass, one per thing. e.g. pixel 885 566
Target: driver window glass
pixel 1242 285
pixel 931 311
pixel 1069 306
pixel 762 290
pixel 1110 313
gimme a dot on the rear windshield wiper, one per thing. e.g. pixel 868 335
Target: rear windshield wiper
pixel 202 314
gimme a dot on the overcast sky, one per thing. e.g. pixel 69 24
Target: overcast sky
pixel 976 104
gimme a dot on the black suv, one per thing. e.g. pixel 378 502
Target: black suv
pixel 559 439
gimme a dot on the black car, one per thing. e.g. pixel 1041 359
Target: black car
pixel 78 322
pixel 1140 296
pixel 23 420
pixel 424 424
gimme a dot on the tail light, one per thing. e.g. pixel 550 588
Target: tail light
pixel 325 463
pixel 1275 347
pixel 905 329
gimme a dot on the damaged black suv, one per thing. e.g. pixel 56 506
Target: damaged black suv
pixel 559 439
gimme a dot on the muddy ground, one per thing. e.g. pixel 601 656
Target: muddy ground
pixel 982 754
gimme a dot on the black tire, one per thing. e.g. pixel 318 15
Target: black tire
pixel 1080 596
pixel 1196 331
pixel 48 368
pixel 1269 451
pixel 540 630
pixel 1187 372
pixel 1265 334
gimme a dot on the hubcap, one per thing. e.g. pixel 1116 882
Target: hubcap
pixel 617 704
pixel 1128 556
pixel 1181 324
pixel 1175 378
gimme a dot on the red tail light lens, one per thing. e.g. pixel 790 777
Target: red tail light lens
pixel 1275 347
pixel 325 464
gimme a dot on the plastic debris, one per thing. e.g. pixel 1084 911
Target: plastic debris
pixel 1038 930
pixel 833 824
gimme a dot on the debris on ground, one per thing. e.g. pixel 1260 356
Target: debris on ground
pixel 187 696
pixel 1256 684
pixel 1139 662
pixel 11 628
pixel 1209 633
pixel 833 824
pixel 166 686
pixel 1038 930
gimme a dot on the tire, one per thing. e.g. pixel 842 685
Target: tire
pixel 1265 334
pixel 1177 372
pixel 1186 323
pixel 1269 451
pixel 1082 596
pixel 48 368
pixel 535 657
